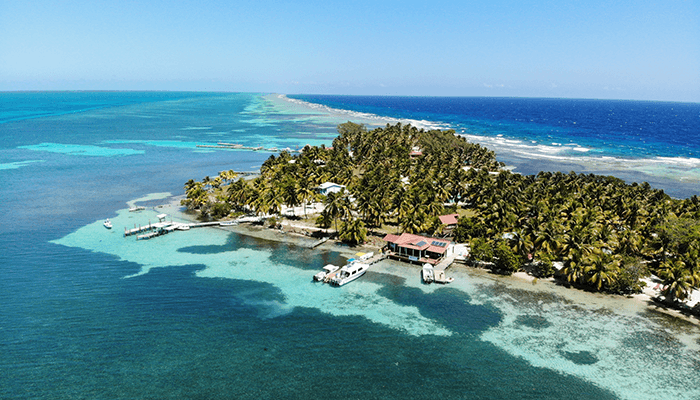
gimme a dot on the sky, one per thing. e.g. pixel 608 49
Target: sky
pixel 622 49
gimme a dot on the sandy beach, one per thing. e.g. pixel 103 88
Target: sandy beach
pixel 294 232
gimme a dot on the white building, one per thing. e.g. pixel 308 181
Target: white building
pixel 330 187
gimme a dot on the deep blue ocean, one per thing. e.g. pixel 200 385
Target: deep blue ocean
pixel 638 141
pixel 86 313
pixel 621 127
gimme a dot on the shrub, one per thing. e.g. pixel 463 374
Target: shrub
pixel 543 267
pixel 481 250
pixel 507 261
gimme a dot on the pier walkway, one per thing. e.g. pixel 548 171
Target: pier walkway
pixel 163 228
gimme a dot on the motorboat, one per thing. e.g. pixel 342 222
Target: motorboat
pixel 349 273
pixel 108 224
pixel 327 270
pixel 428 273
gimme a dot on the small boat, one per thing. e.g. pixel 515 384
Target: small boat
pixel 349 273
pixel 428 273
pixel 328 269
pixel 108 224
pixel 137 208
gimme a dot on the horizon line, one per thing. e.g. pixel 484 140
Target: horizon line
pixel 332 94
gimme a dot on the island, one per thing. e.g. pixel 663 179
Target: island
pixel 588 231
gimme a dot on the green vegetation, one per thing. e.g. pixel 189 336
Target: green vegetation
pixel 607 234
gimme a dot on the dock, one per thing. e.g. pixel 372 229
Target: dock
pixel 316 244
pixel 376 258
pixel 146 228
pixel 446 262
pixel 150 231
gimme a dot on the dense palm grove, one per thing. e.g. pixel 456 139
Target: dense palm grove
pixel 607 234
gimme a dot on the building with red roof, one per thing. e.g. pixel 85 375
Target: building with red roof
pixel 450 221
pixel 416 248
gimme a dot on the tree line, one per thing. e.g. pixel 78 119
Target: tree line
pixel 608 234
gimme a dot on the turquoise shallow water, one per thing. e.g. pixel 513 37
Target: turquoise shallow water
pixel 209 313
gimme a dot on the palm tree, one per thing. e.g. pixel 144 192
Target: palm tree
pixel 521 243
pixel 413 221
pixel 333 205
pixel 576 239
pixel 189 185
pixel 290 193
pixel 548 239
pixel 574 269
pixel 324 220
pixel 228 176
pixel 306 192
pixel 275 198
pixel 353 231
pixel 600 271
pixel 629 243
pixel 677 281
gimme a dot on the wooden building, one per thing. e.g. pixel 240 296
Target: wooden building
pixel 416 248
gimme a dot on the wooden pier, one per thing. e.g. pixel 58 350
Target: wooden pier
pixel 146 228
pixel 376 258
pixel 316 244
pixel 446 262
pixel 149 231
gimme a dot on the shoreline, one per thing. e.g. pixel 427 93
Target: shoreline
pixel 677 176
pixel 632 304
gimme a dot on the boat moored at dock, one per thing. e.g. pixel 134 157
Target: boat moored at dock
pixel 327 270
pixel 349 273
pixel 428 273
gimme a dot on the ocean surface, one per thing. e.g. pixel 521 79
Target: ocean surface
pixel 86 313
pixel 656 142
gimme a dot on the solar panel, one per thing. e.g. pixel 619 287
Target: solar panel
pixel 421 243
pixel 439 244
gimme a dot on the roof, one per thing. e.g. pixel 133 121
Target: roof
pixel 326 185
pixel 449 219
pixel 416 242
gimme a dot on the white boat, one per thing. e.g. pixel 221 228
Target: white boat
pixel 108 224
pixel 349 273
pixel 428 273
pixel 328 269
